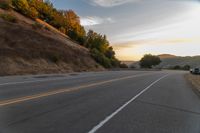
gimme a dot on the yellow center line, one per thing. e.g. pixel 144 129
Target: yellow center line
pixel 45 94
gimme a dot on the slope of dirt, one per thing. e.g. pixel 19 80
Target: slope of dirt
pixel 25 50
pixel 195 81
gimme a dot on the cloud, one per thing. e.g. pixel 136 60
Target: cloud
pixel 110 3
pixel 94 20
pixel 135 43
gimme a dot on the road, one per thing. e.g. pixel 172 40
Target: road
pixel 99 102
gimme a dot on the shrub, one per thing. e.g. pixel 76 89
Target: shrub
pixel 133 67
pixel 100 58
pixel 5 4
pixel 62 29
pixel 54 58
pixel 149 60
pixel 47 28
pixel 21 6
pixel 114 62
pixel 177 67
pixel 8 17
pixel 37 26
pixel 32 13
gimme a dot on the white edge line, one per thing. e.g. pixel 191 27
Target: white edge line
pixel 31 97
pixel 97 127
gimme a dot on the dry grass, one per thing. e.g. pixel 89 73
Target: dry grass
pixel 8 17
pixel 194 80
pixel 24 50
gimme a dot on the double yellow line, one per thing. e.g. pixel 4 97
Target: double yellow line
pixel 45 94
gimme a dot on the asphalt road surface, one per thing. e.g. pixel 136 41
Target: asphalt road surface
pixel 99 102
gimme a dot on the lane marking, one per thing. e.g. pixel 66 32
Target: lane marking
pixel 45 94
pixel 34 81
pixel 102 123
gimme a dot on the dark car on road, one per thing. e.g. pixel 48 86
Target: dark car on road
pixel 195 71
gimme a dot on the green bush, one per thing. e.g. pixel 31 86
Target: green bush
pixel 100 58
pixel 8 17
pixel 5 4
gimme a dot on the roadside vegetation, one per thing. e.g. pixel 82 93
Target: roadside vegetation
pixel 177 67
pixel 68 22
pixel 8 17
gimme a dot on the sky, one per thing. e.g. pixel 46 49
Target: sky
pixel 138 27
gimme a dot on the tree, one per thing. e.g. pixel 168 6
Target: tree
pixel 72 17
pixel 100 58
pixel 32 13
pixel 21 5
pixel 100 49
pixel 149 60
pixel 98 41
pixel 110 53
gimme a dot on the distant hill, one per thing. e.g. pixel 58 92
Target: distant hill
pixel 193 61
pixel 166 56
pixel 172 60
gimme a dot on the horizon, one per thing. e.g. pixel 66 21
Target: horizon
pixel 160 55
pixel 140 26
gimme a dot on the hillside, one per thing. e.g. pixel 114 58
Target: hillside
pixel 172 60
pixel 166 56
pixel 128 63
pixel 181 61
pixel 27 48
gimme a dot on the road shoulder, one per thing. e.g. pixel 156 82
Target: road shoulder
pixel 194 81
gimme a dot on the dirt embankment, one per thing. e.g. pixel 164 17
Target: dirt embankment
pixel 194 80
pixel 28 50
